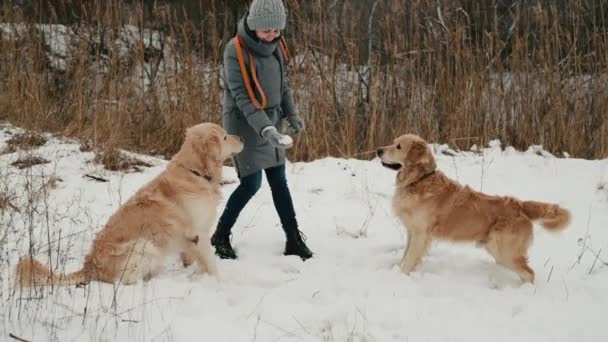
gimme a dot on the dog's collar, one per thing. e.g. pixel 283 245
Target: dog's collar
pixel 196 173
pixel 425 176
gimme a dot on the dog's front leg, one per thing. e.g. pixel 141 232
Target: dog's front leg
pixel 200 251
pixel 405 251
pixel 187 257
pixel 208 256
pixel 417 247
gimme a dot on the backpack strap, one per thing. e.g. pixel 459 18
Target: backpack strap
pixel 239 45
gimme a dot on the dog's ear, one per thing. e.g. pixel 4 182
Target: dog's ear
pixel 416 152
pixel 204 153
pixel 419 161
pixel 423 157
pixel 209 152
pixel 213 146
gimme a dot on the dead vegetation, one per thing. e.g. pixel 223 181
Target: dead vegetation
pixel 29 161
pixel 6 201
pixel 26 141
pixel 114 160
pixel 7 149
pixel 137 73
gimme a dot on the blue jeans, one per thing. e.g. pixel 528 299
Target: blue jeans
pixel 248 187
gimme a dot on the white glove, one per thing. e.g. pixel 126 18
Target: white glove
pixel 275 139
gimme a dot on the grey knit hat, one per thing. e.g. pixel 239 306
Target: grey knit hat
pixel 266 15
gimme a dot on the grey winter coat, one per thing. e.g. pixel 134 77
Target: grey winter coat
pixel 240 116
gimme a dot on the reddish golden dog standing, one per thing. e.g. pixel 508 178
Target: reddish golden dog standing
pixel 432 206
pixel 172 214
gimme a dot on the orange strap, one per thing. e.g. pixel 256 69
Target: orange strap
pixel 284 49
pixel 239 55
pixel 239 45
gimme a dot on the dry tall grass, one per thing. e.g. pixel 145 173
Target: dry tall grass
pixel 461 72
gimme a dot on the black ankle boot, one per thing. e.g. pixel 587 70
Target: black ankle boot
pixel 295 245
pixel 223 249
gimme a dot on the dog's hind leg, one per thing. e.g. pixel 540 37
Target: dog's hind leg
pixel 520 265
pixel 417 247
pixel 509 243
pixel 141 261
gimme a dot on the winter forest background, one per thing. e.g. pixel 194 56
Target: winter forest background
pixel 134 74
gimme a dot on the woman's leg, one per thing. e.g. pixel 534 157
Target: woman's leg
pixel 281 197
pixel 248 186
pixel 284 206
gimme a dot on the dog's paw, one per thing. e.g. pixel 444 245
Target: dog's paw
pixel 196 277
pixel 201 276
pixel 399 269
pixel 501 279
pixel 186 259
pixel 406 269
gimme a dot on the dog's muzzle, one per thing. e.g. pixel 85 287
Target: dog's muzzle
pixel 241 147
pixel 392 166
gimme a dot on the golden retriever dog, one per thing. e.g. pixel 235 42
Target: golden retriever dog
pixel 432 206
pixel 172 214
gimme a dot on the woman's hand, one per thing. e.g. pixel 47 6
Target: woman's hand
pixel 276 139
pixel 296 123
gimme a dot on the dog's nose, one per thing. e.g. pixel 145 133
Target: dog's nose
pixel 380 152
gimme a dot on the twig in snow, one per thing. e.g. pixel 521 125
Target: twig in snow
pixel 11 335
pixel 96 178
pixel 597 256
pixel 304 328
pixel 129 321
pixel 584 247
pixel 255 329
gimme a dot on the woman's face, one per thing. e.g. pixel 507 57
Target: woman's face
pixel 267 35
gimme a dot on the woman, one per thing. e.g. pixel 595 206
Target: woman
pixel 256 98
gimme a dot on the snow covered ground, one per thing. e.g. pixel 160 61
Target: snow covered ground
pixel 351 290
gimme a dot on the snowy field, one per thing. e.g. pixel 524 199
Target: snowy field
pixel 351 290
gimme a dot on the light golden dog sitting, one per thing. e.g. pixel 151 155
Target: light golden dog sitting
pixel 432 206
pixel 172 214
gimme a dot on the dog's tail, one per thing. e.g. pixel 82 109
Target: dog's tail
pixel 31 272
pixel 552 216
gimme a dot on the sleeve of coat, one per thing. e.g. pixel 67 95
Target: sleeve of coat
pixel 258 119
pixel 287 104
